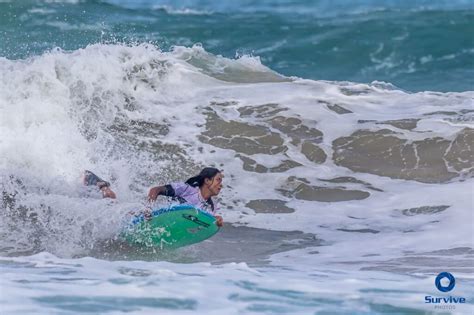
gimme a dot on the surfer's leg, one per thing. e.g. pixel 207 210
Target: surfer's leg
pixel 90 179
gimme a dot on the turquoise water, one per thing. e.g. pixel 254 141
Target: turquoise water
pixel 415 45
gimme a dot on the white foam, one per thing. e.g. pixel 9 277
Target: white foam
pixel 237 288
pixel 180 11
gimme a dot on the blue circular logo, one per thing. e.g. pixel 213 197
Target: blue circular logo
pixel 452 282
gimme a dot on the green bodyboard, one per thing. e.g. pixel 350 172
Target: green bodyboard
pixel 172 227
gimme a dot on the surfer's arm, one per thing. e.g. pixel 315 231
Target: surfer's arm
pixel 166 190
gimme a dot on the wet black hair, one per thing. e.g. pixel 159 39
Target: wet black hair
pixel 198 180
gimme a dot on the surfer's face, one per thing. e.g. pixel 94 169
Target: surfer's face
pixel 215 184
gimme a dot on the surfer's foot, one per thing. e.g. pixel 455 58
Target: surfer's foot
pixel 90 179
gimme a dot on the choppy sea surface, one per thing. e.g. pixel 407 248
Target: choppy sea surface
pixel 345 131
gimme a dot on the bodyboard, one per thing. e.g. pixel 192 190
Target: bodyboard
pixel 172 227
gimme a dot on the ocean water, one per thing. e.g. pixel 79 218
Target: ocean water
pixel 416 45
pixel 345 132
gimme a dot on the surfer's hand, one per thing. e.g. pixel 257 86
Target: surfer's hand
pixel 107 192
pixel 153 193
pixel 219 220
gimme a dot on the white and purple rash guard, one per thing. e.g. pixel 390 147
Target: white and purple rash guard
pixel 185 193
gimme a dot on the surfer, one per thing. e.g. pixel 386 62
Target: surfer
pixel 197 190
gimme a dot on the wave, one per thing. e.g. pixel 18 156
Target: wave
pixel 302 45
pixel 139 116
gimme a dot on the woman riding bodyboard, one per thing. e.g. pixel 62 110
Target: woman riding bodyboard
pixel 197 191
